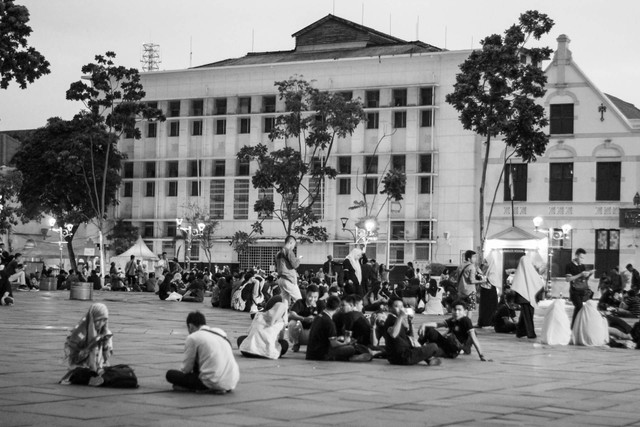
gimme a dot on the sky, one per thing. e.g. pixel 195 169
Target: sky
pixel 69 33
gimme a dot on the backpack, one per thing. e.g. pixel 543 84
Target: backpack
pixel 119 376
pixel 237 303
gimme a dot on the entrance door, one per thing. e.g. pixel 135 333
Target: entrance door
pixel 607 251
pixel 510 259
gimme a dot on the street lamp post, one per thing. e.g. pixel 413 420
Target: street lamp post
pixel 550 232
pixel 64 232
pixel 191 234
pixel 363 233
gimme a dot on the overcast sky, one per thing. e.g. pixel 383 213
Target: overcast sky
pixel 604 36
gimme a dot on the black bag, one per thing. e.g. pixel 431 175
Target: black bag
pixel 119 376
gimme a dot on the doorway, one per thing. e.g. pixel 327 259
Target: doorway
pixel 510 259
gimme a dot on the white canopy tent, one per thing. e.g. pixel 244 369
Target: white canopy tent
pixel 141 252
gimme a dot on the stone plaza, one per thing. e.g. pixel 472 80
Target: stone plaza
pixel 526 384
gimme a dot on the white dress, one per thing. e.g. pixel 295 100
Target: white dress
pixel 590 328
pixel 556 329
pixel 264 332
pixel 434 304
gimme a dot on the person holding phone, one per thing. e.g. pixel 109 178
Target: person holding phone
pixel 578 277
pixel 286 264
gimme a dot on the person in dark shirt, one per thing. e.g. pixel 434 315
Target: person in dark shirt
pixel 635 277
pixel 398 346
pixel 578 278
pixel 324 343
pixel 355 322
pixel 630 307
pixel 301 316
pixel 6 294
pixel 460 334
pixel 504 321
pixel 195 290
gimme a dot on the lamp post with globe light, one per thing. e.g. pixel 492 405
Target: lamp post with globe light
pixel 551 235
pixel 64 232
pixel 191 234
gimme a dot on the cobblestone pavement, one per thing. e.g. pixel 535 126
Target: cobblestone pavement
pixel 527 384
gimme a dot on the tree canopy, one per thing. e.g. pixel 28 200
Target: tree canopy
pixel 18 60
pixel 497 90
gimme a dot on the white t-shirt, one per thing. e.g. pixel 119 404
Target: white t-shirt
pixel 218 367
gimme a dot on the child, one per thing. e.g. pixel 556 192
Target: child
pixel 460 333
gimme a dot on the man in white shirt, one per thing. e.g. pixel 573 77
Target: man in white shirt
pixel 209 364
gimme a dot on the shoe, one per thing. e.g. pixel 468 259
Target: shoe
pixel 23 289
pixel 434 361
pixel 364 357
pixel 295 348
pixel 96 381
pixel 35 290
pixel 180 388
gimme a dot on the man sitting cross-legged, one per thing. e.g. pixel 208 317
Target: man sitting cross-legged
pixel 398 346
pixel 324 343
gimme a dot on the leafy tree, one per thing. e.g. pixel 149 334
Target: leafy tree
pixel 113 97
pixel 123 235
pixel 18 60
pixel 496 93
pixel 313 121
pixel 10 183
pixel 56 163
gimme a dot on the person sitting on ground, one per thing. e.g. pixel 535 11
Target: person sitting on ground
pixel 590 328
pixel 505 317
pixel 630 307
pixel 411 293
pixel 459 337
pixel 324 343
pixel 95 280
pixel 347 305
pixel 356 325
pixel 434 299
pixel 164 289
pixel 89 347
pixel 301 316
pixel 374 299
pixel 151 284
pixel 33 283
pixel 450 290
pixel 15 272
pixel 208 364
pixel 72 278
pixel 399 348
pixel 195 290
pixel 265 338
pixel 6 293
pixel 61 280
pixel 609 298
pixel 556 328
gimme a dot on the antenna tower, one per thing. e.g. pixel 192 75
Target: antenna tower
pixel 150 57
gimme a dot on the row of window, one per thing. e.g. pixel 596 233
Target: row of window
pixel 608 177
pixel 344 163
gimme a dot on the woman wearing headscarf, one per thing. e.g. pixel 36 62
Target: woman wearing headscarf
pixel 353 272
pixel 164 289
pixel 265 338
pixel 88 347
pixel 489 293
pixel 526 284
pixel 434 299
pixel 590 328
pixel 556 329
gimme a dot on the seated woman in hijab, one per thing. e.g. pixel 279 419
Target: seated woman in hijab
pixel 526 284
pixel 434 299
pixel 590 328
pixel 88 348
pixel 164 289
pixel 556 329
pixel 265 338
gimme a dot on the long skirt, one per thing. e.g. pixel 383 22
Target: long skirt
pixel 488 306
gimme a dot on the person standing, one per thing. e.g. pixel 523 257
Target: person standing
pixel 286 264
pixel 162 264
pixel 635 277
pixel 468 278
pixel 489 293
pixel 526 284
pixel 578 279
pixel 353 272
pixel 130 271
pixel 329 270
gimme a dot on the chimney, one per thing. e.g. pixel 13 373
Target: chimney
pixel 562 57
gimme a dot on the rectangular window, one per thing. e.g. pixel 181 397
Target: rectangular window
pixel 608 181
pixel 346 95
pixel 399 119
pixel 425 163
pixel 422 251
pixel 560 181
pixel 370 185
pixel 221 126
pixel 219 168
pixel 150 189
pixel 242 167
pixel 174 129
pixel 424 230
pixel 397 230
pixel 196 188
pixel 265 194
pixel 269 124
pixel 216 198
pixel 197 107
pixel 128 170
pixel 174 109
pixel 220 106
pixel 268 104
pixel 244 105
pixel 152 104
pixel 245 125
pixel 152 130
pixel 195 251
pixel 396 253
pixel 149 169
pixel 561 119
pixel 316 190
pixel 172 169
pixel 128 189
pixel 172 229
pixel 370 164
pixel 344 185
pixel 241 199
pixel 172 188
pixel 515 182
pixel 399 162
pixel 129 133
pixel 195 168
pixel 372 98
pixel 424 185
pixel 169 248
pixel 196 128
pixel 373 120
pixel 399 98
pixel 426 96
pixel 426 118
pixel 344 165
pixel 147 229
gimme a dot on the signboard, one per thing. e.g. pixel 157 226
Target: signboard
pixel 629 218
pixel 89 252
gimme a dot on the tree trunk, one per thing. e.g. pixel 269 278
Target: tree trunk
pixel 482 185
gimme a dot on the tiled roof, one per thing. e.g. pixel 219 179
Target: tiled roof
pixel 629 110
